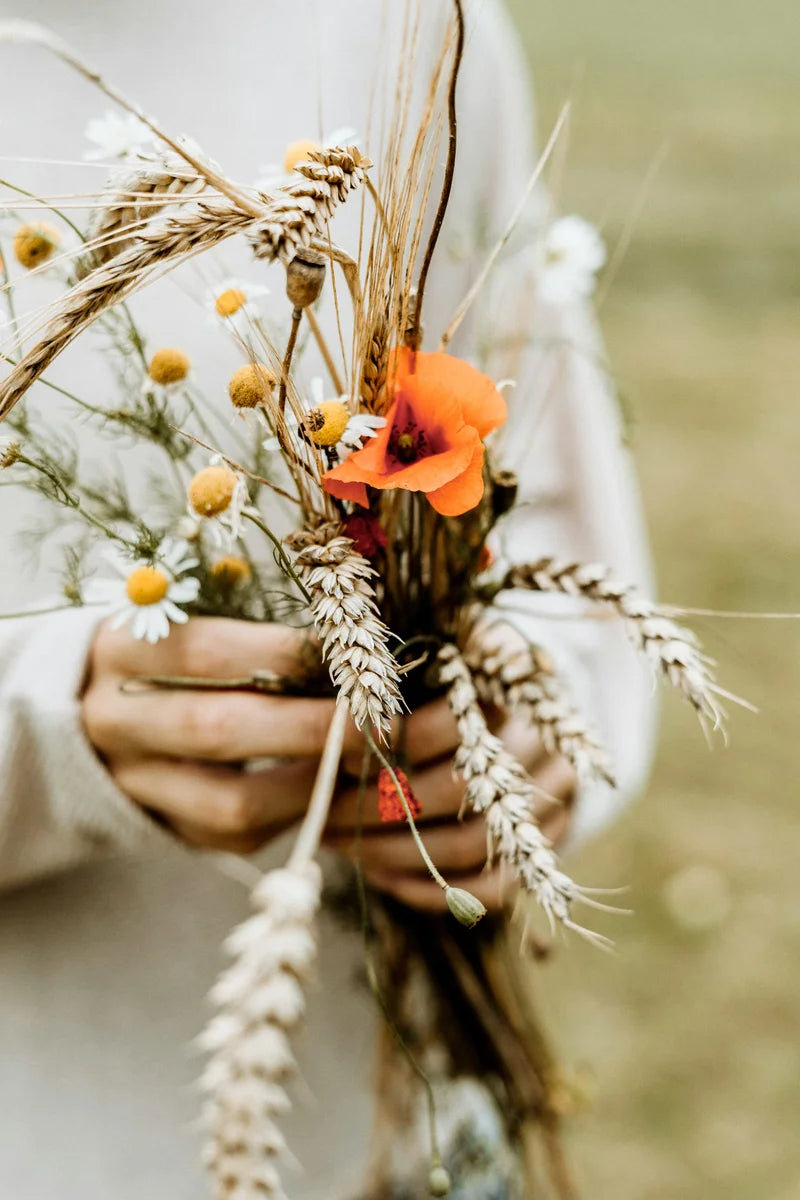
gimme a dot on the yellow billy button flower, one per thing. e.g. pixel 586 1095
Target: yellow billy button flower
pixel 146 585
pixel 211 490
pixel 168 366
pixel 251 385
pixel 229 302
pixel 297 152
pixel 231 571
pixel 326 422
pixel 34 244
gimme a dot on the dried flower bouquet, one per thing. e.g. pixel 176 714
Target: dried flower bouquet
pixel 393 485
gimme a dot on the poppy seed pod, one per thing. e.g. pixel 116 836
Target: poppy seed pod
pixel 305 276
pixel 504 492
pixel 439 1182
pixel 467 910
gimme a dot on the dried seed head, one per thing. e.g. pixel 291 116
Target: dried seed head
pixel 305 276
pixel 211 491
pixel 251 386
pixel 168 366
pixel 229 302
pixel 146 585
pixel 34 244
pixel 297 152
pixel 9 453
pixel 230 571
pixel 505 485
pixel 439 1181
pixel 467 910
pixel 325 424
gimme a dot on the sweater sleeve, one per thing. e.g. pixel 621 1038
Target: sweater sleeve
pixel 58 805
pixel 578 498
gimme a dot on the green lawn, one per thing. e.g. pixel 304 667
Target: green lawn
pixel 689 1035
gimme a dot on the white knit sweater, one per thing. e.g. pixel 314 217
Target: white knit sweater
pixel 109 947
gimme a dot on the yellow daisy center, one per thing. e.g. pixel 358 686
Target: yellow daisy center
pixel 230 571
pixel 298 152
pixel 34 244
pixel 325 424
pixel 168 366
pixel 251 385
pixel 146 585
pixel 211 490
pixel 230 301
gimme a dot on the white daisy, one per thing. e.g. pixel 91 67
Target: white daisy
pixel 274 175
pixel 117 136
pixel 148 594
pixel 571 253
pixel 235 304
pixel 218 498
pixel 358 427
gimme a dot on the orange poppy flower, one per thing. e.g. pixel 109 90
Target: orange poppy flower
pixel 441 410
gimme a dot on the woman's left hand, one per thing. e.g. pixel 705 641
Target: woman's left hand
pixel 389 857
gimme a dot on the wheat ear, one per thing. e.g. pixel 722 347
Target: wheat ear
pixel 132 200
pixel 290 219
pixel 498 787
pixel 260 1000
pixel 354 638
pixel 522 680
pixel 673 651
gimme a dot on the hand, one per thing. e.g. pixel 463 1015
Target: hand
pixel 179 754
pixel 390 859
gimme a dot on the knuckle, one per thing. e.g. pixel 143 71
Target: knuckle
pixel 101 716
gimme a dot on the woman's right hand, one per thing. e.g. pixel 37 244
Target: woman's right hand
pixel 179 753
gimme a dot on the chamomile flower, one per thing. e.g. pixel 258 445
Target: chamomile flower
pixel 117 136
pixel 149 594
pixel 218 496
pixel 235 303
pixel 572 252
pixel 275 175
pixel 329 424
pixel 168 371
pixel 35 244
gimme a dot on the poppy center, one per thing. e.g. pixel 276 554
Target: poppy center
pixel 407 442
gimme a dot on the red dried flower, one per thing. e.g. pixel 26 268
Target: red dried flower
pixel 390 806
pixel 367 533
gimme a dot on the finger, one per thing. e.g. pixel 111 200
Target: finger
pixel 494 889
pixel 221 801
pixel 556 781
pixel 439 793
pixel 453 847
pixel 427 734
pixel 208 647
pixel 214 726
pixel 208 839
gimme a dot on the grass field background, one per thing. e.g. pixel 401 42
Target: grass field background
pixel 688 1037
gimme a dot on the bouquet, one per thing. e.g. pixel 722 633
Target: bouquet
pixel 369 507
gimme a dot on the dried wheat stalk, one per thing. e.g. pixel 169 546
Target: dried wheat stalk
pixel 354 638
pixel 260 1000
pixel 522 680
pixel 673 650
pixel 131 200
pixel 498 787
pixel 293 218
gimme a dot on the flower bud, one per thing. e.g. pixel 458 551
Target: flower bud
pixel 305 276
pixel 467 910
pixel 439 1181
pixel 9 453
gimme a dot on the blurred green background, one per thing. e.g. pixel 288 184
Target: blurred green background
pixel 687 1039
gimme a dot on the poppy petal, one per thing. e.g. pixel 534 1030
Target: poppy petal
pixel 442 376
pixel 344 490
pixel 463 493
